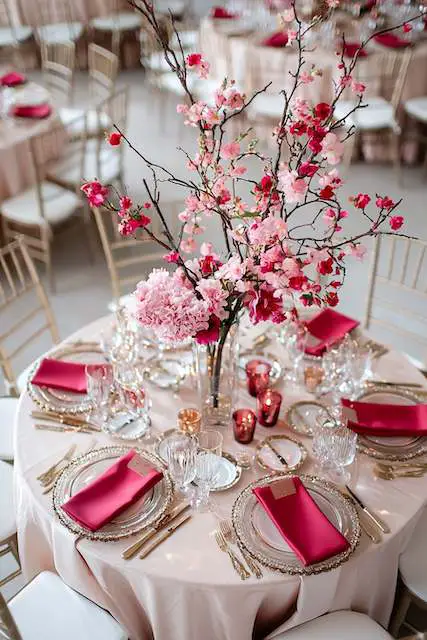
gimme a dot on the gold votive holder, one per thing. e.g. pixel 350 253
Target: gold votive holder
pixel 313 377
pixel 189 421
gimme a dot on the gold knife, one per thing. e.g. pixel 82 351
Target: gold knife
pixel 276 453
pixel 50 416
pixel 65 427
pixel 371 514
pixel 164 535
pixel 129 552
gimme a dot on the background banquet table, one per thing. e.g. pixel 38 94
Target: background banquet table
pixel 16 167
pixel 253 66
pixel 187 589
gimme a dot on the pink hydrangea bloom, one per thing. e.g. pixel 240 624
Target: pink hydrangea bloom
pixel 169 308
pixel 215 296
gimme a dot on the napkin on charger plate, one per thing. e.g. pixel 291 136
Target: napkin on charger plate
pixel 391 40
pixel 57 374
pixel 386 420
pixel 222 13
pixel 327 328
pixel 302 524
pixel 117 488
pixel 278 39
pixel 36 111
pixel 12 79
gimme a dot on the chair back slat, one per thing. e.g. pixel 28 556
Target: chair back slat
pixel 103 68
pixel 58 65
pixel 397 297
pixel 18 278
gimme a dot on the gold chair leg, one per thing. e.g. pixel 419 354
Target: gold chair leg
pixel 10 545
pixel 395 141
pixel 400 612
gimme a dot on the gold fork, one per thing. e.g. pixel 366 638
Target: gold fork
pixel 230 536
pixel 49 487
pixel 237 565
pixel 43 476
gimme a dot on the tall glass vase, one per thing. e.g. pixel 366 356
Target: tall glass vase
pixel 217 370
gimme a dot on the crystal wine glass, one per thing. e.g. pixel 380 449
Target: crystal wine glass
pixel 334 446
pixel 99 381
pixel 181 451
pixel 133 396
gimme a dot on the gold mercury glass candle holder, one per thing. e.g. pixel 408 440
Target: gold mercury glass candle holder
pixel 189 421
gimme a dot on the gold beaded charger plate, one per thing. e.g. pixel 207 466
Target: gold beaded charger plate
pixel 301 416
pixel 66 401
pixel 259 536
pixel 280 453
pixel 86 468
pixel 229 471
pixel 399 448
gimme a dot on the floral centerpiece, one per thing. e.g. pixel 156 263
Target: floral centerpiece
pixel 284 237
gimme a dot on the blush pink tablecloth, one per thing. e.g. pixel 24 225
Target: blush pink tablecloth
pixel 187 588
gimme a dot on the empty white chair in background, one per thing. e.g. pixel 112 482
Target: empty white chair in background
pixel 47 609
pixel 8 541
pixel 340 625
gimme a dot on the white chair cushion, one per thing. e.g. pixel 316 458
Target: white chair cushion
pixel 176 7
pixel 417 108
pixel 413 562
pixel 340 625
pixel 60 32
pixel 125 21
pixel 378 114
pixel 8 37
pixel 74 120
pixel 189 40
pixel 59 205
pixel 268 105
pixel 8 406
pixel 7 520
pixel 47 609
pixel 69 171
pixel 156 62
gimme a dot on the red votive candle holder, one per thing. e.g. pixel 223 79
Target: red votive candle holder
pixel 244 425
pixel 258 376
pixel 268 407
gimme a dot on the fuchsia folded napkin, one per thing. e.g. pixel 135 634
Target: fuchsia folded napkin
pixel 391 40
pixel 12 79
pixel 279 39
pixel 350 49
pixel 110 494
pixel 327 328
pixel 386 419
pixel 68 376
pixel 222 13
pixel 37 111
pixel 300 521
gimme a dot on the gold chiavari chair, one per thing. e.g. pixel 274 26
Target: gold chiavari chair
pixel 397 295
pixel 384 81
pixel 48 609
pixel 13 35
pixel 103 68
pixel 46 207
pixel 8 538
pixel 58 65
pixel 25 311
pixel 116 23
pixel 124 256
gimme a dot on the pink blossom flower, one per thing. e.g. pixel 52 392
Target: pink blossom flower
pixel 306 77
pixel 331 178
pixel 357 251
pixel 195 60
pixel 215 296
pixel 168 307
pixel 264 305
pixel 322 110
pixel 125 203
pixel 206 249
pixel 332 298
pixel 188 245
pixel 233 269
pixel 396 222
pixel 230 150
pixel 182 108
pixel 407 27
pixel 95 192
pixel 293 186
pixel 267 231
pixel 361 200
pixel 235 172
pixel 346 81
pixel 332 148
pixel 128 226
pixel 172 257
pixel 384 203
pixel 115 138
pixel 307 169
pixel 233 99
pixel 329 216
pixel 211 334
pixel 292 35
pixel 358 87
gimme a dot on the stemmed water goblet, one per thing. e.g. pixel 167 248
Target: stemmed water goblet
pixel 334 446
pixel 181 453
pixel 99 381
pixel 296 343
pixel 208 461
pixel 133 400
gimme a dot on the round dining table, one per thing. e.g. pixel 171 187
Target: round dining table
pixel 186 589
